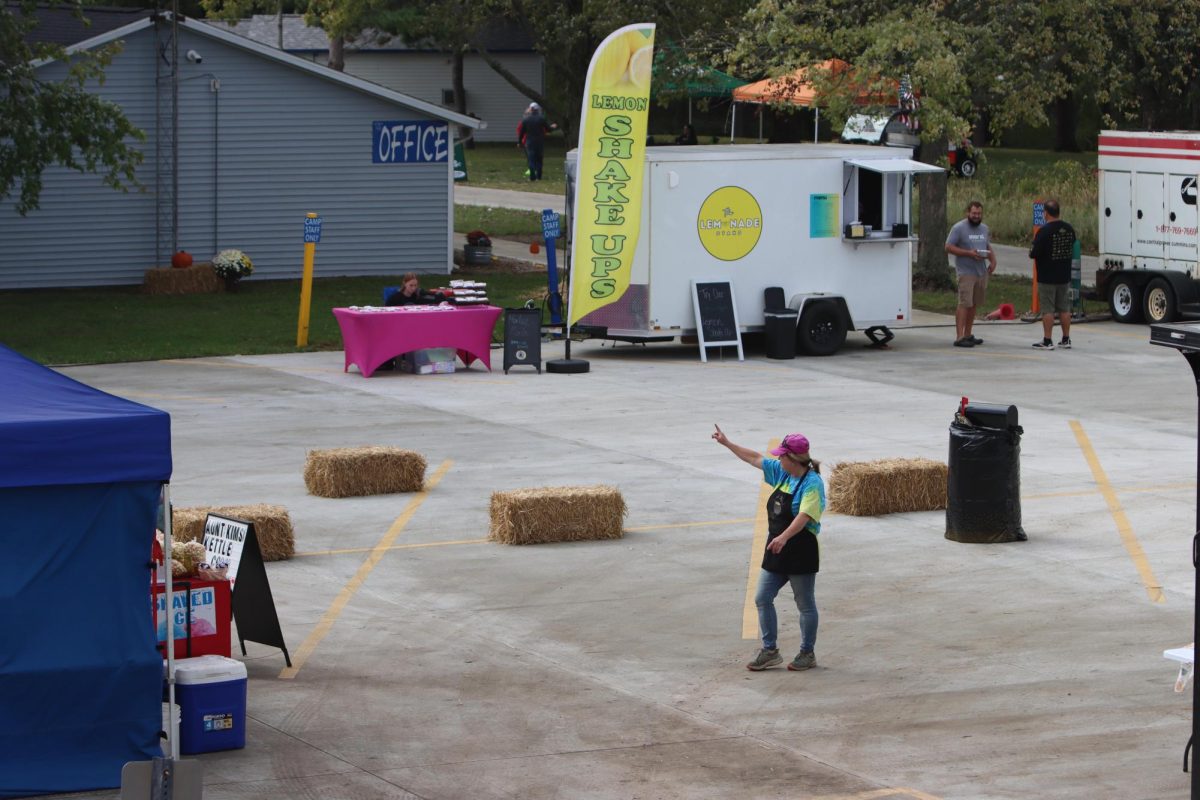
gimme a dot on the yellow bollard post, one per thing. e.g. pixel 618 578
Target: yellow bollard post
pixel 312 235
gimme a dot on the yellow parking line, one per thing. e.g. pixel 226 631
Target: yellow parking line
pixel 348 591
pixel 759 543
pixel 1132 546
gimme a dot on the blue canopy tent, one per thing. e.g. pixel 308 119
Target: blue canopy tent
pixel 80 676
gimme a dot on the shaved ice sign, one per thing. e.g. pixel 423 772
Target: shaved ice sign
pixel 204 613
pixel 223 542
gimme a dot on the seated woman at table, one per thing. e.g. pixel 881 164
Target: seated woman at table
pixel 411 293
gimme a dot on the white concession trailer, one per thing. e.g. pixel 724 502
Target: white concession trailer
pixel 829 224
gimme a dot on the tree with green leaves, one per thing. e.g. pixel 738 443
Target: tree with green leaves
pixel 45 123
pixel 960 57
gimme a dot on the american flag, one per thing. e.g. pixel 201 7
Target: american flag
pixel 908 104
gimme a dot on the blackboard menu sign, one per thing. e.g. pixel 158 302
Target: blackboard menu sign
pixel 716 316
pixel 522 338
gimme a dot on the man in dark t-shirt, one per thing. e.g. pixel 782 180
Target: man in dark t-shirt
pixel 1053 249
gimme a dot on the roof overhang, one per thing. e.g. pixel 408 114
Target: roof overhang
pixel 295 62
pixel 889 166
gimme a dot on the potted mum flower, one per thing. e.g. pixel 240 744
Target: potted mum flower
pixel 231 266
pixel 478 249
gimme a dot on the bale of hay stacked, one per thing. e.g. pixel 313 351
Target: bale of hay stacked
pixel 196 279
pixel 272 526
pixel 357 471
pixel 887 486
pixel 557 514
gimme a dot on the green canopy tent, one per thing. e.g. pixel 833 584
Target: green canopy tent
pixel 693 80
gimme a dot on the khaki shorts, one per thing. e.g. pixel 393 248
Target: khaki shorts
pixel 971 289
pixel 1054 298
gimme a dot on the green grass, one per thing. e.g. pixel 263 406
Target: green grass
pixel 502 166
pixel 115 324
pixel 1009 181
pixel 501 223
pixel 1001 289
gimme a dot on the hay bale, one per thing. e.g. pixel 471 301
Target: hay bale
pixel 272 526
pixel 356 471
pixel 557 514
pixel 887 486
pixel 196 279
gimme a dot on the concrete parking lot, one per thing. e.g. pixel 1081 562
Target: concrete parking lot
pixel 430 663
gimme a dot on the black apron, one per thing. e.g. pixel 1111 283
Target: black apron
pixel 800 555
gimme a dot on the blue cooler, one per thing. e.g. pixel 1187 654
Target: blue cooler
pixel 211 690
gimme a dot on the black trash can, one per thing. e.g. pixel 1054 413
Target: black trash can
pixel 779 331
pixel 983 492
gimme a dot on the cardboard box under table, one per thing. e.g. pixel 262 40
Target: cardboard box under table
pixel 211 692
pixel 431 361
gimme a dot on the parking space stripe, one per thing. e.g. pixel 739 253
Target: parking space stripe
pixel 759 543
pixel 348 591
pixel 1128 538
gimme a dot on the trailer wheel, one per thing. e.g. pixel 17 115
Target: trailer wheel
pixel 967 168
pixel 822 329
pixel 1160 302
pixel 1125 301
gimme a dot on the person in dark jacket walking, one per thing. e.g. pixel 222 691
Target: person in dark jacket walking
pixel 531 134
pixel 792 554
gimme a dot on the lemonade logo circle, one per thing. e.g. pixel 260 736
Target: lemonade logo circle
pixel 729 223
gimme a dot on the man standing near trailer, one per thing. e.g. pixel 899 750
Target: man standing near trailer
pixel 1052 250
pixel 970 243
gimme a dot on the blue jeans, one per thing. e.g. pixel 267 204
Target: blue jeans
pixel 804 590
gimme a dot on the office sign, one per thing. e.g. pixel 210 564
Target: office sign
pixel 410 142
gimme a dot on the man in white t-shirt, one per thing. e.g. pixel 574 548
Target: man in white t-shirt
pixel 970 244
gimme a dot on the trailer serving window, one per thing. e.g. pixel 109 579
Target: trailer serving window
pixel 877 198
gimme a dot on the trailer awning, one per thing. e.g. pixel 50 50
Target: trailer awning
pixel 889 166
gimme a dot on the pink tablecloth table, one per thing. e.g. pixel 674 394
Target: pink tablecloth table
pixel 372 337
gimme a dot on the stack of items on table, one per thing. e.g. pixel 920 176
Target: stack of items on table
pixel 469 293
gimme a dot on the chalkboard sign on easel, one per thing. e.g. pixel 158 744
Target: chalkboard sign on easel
pixel 716 316
pixel 522 338
pixel 231 543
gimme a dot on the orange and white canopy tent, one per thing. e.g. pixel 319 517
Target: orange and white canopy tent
pixel 797 88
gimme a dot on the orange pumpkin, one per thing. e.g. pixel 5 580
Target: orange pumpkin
pixel 181 260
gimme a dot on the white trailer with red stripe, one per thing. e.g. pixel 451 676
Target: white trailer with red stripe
pixel 1150 264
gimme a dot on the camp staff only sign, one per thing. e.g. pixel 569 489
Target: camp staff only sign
pixel 612 151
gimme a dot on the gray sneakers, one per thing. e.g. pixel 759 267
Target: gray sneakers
pixel 764 659
pixel 803 661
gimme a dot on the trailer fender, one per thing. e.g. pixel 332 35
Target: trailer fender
pixel 798 302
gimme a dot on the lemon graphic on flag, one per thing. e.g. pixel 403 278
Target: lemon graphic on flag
pixel 640 64
pixel 612 62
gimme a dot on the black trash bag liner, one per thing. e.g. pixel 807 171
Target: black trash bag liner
pixel 983 497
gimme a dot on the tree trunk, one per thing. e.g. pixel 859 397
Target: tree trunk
pixel 459 87
pixel 1066 120
pixel 932 269
pixel 337 53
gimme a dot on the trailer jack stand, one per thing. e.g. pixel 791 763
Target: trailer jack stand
pixel 879 335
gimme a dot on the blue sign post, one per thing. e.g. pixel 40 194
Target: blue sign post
pixel 550 232
pixel 312 230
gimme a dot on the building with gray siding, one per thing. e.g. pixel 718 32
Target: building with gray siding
pixel 263 138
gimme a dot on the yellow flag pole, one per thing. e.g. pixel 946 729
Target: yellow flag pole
pixel 312 235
